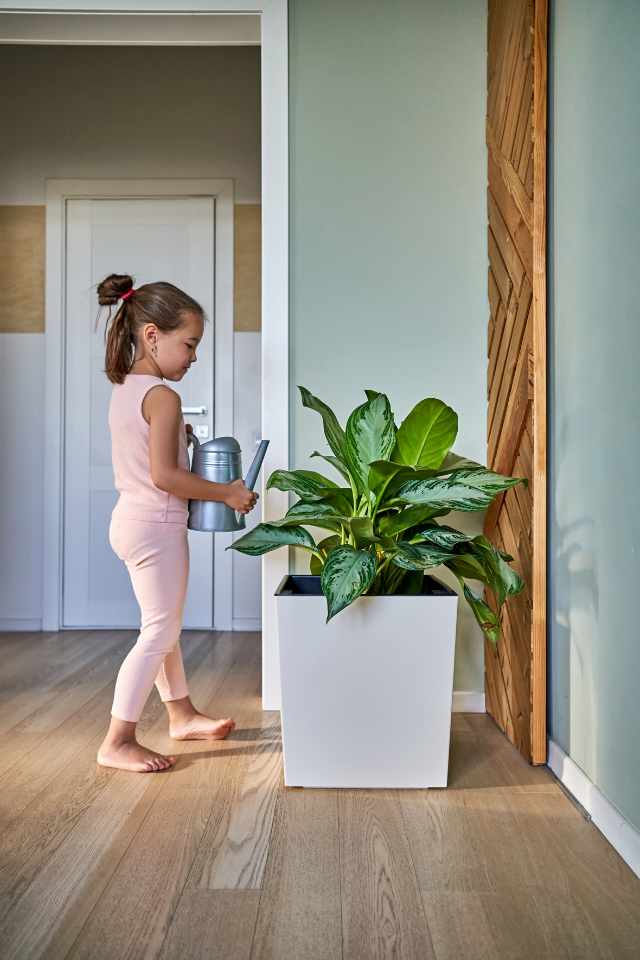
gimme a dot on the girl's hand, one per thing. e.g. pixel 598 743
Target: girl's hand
pixel 240 497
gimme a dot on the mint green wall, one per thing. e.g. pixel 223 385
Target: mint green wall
pixel 594 341
pixel 388 220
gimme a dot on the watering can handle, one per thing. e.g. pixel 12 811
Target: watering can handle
pixel 191 438
pixel 254 469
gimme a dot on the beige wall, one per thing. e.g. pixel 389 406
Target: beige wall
pixel 124 112
pixel 22 257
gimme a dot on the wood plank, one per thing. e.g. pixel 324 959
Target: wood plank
pixel 539 625
pixel 512 179
pixel 300 912
pixel 517 93
pixel 503 374
pixel 42 756
pixel 512 360
pixel 501 320
pixel 517 228
pixel 502 714
pixel 72 873
pixel 34 681
pixel 503 445
pixel 513 14
pixel 233 850
pixel 505 243
pixel 145 888
pixel 494 303
pixel 524 126
pixel 53 719
pixel 499 270
pixel 212 924
pixel 382 912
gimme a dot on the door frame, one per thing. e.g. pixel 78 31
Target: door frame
pixel 58 191
pixel 275 388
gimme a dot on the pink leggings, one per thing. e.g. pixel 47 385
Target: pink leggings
pixel 156 554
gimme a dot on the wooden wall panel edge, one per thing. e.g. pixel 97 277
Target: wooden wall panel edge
pixel 539 624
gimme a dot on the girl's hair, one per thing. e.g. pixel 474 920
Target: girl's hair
pixel 160 303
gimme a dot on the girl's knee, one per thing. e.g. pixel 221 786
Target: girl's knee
pixel 160 637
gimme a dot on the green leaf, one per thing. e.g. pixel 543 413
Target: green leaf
pixel 426 434
pixel 266 536
pixel 335 462
pixel 381 472
pixel 370 435
pixel 372 394
pixel 466 565
pixel 307 484
pixel 442 536
pixel 347 573
pixel 317 513
pixel 391 524
pixel 503 580
pixel 362 529
pixel 388 476
pixel 342 500
pixel 332 430
pixel 419 556
pixel 454 461
pixel 485 616
pixel 462 490
pixel 324 546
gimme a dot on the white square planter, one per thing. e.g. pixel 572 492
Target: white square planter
pixel 367 697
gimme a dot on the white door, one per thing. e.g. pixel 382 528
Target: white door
pixel 169 239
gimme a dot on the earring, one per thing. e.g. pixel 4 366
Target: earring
pixel 154 349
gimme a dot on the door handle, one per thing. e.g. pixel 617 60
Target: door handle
pixel 201 411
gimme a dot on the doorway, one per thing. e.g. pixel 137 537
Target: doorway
pixel 185 237
pixel 213 23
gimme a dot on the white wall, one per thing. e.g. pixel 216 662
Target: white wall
pixel 100 112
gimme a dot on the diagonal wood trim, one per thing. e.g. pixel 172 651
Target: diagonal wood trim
pixel 511 179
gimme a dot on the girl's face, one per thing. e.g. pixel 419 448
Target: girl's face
pixel 177 348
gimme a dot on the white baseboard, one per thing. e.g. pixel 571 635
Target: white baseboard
pixel 468 701
pixel 15 626
pixel 621 834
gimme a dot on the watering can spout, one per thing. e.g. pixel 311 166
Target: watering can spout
pixel 254 469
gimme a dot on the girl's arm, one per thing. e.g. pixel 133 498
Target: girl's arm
pixel 162 407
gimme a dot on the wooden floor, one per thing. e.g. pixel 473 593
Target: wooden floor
pixel 217 859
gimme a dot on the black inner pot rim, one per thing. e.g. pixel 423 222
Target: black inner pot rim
pixel 306 584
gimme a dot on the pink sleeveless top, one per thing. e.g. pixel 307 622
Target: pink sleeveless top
pixel 140 499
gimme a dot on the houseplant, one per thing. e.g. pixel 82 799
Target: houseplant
pixel 366 697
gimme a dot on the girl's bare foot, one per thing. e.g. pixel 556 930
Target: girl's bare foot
pixel 131 755
pixel 200 727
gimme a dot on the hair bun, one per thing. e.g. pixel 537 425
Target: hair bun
pixel 112 288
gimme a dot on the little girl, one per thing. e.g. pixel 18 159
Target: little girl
pixel 153 338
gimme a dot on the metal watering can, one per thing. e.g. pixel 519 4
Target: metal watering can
pixel 219 460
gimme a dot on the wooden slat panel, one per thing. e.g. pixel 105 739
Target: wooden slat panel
pixel 518 230
pixel 523 129
pixel 515 672
pixel 508 407
pixel 496 342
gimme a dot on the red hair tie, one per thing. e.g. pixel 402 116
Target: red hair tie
pixel 125 296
